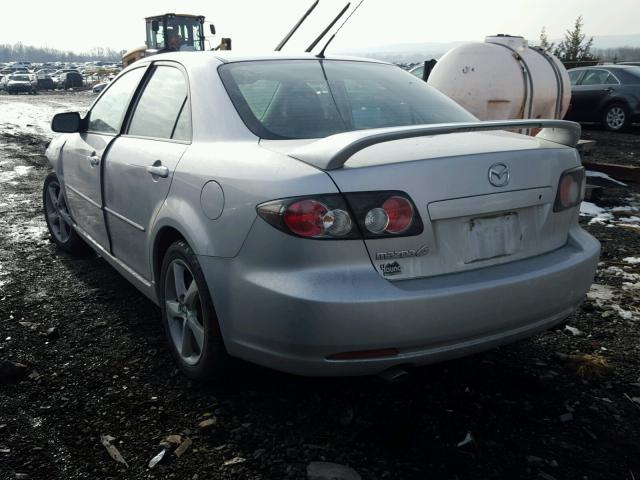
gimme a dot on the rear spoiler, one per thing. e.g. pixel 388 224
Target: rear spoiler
pixel 332 152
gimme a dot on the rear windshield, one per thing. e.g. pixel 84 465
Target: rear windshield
pixel 635 71
pixel 20 77
pixel 288 99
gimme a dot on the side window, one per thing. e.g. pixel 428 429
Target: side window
pixel 162 111
pixel 574 75
pixel 594 77
pixel 611 80
pixel 259 95
pixel 107 115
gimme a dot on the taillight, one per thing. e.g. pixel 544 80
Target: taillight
pixel 570 189
pixel 400 213
pixel 376 214
pixel 305 218
pixel 385 214
pixel 321 216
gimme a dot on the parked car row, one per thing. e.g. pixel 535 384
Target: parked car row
pixel 50 76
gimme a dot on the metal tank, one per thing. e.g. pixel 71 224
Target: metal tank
pixel 503 78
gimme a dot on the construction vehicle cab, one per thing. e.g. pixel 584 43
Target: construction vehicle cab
pixel 188 28
pixel 170 32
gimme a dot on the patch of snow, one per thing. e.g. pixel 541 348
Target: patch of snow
pixel 626 286
pixel 589 209
pixel 626 208
pixel 591 173
pixel 618 272
pixel 631 260
pixel 604 216
pixel 11 175
pixel 622 313
pixel 600 294
pixel 3 273
pixel 602 219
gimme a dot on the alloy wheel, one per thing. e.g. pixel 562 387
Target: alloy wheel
pixel 616 118
pixel 58 216
pixel 184 312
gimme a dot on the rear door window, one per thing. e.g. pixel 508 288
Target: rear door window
pixel 107 114
pixel 611 80
pixel 574 76
pixel 163 111
pixel 595 77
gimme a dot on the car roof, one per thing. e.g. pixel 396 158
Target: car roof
pixel 194 58
pixel 606 65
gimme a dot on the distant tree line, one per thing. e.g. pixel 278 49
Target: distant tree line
pixel 619 54
pixel 19 52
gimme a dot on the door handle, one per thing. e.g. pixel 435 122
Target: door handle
pixel 608 90
pixel 158 171
pixel 94 160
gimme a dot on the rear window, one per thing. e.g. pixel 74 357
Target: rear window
pixel 20 77
pixel 288 99
pixel 634 71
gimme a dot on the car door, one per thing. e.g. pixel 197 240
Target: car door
pixel 140 165
pixel 596 84
pixel 83 153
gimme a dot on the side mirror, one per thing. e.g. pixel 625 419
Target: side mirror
pixel 212 28
pixel 155 26
pixel 67 122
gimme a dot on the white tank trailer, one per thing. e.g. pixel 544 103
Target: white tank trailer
pixel 503 78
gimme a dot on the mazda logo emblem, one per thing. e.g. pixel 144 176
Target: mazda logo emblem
pixel 499 175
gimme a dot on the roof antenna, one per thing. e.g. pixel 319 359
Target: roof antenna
pixel 324 32
pixel 321 54
pixel 295 27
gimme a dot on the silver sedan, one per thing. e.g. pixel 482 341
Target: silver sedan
pixel 320 216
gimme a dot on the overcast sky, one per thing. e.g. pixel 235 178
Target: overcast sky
pixel 260 24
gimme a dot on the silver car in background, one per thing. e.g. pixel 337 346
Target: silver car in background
pixel 320 216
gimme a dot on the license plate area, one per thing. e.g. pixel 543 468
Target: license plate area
pixel 492 237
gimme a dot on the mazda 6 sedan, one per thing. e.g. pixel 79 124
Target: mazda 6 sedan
pixel 320 216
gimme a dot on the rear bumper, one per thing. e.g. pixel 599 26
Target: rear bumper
pixel 292 319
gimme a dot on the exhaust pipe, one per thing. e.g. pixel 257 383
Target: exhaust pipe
pixel 394 374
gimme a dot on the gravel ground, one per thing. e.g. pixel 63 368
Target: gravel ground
pixel 620 148
pixel 97 364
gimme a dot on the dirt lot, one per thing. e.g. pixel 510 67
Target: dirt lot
pixel 97 364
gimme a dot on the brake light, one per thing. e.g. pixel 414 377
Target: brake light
pixel 377 214
pixel 571 189
pixel 305 218
pixel 321 216
pixel 400 213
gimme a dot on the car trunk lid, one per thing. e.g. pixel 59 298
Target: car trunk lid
pixel 469 223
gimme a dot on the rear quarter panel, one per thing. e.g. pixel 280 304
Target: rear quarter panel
pixel 248 175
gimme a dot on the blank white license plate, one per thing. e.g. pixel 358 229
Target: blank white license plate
pixel 492 237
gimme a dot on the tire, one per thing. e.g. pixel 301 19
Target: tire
pixel 188 316
pixel 615 117
pixel 57 217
